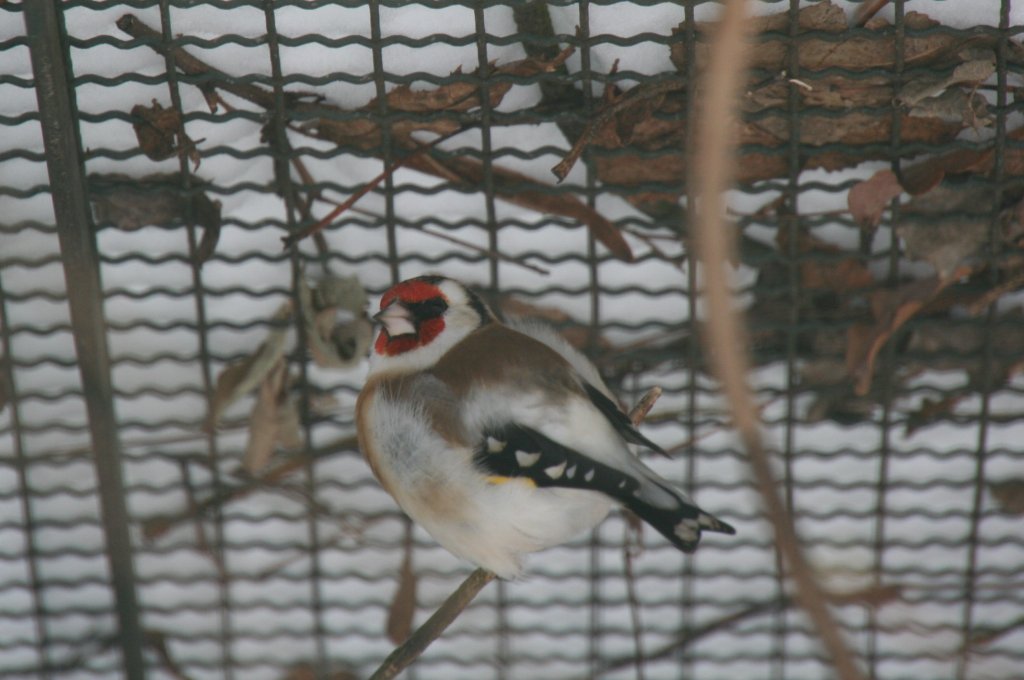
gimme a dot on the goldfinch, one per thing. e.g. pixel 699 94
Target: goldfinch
pixel 501 440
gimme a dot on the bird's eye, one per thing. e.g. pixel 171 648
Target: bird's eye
pixel 429 309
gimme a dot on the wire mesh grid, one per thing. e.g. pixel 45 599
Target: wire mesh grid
pixel 884 363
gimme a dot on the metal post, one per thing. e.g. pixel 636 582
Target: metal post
pixel 81 271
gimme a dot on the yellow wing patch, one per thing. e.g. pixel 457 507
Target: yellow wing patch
pixel 498 479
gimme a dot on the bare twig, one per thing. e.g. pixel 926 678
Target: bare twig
pixel 458 241
pixel 347 531
pixel 723 623
pixel 987 635
pixel 718 428
pixel 135 27
pixel 484 251
pixel 605 115
pixel 193 508
pixel 411 649
pixel 630 550
pixel 724 336
pixel 633 544
pixel 99 643
pixel 154 528
pixel 324 222
pixel 157 641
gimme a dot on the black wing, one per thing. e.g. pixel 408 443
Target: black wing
pixel 517 451
pixel 619 420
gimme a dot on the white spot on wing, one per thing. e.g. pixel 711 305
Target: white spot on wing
pixel 527 459
pixel 707 521
pixel 571 472
pixel 494 445
pixel 555 471
pixel 685 531
pixel 588 476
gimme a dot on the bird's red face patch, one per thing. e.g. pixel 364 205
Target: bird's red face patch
pixel 409 294
pixel 413 290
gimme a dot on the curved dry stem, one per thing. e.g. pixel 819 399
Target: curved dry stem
pixel 725 336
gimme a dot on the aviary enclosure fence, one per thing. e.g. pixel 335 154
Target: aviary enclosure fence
pixel 180 493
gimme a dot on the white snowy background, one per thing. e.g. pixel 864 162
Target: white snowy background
pixel 275 606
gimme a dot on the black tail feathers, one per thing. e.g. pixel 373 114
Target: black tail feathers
pixel 682 525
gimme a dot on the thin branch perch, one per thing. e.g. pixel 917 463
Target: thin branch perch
pixel 410 650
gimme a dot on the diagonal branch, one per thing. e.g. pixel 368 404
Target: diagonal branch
pixel 410 650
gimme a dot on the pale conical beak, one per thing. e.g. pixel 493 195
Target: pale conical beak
pixel 396 320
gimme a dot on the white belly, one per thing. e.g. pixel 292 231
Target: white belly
pixel 496 525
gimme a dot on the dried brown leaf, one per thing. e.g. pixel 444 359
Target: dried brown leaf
pixel 891 309
pixel 211 96
pixel 1012 275
pixel 208 244
pixel 955 106
pixel 1009 495
pixel 989 355
pixel 825 267
pixel 947 227
pixel 639 412
pixel 130 203
pixel 241 377
pixel 978 69
pixel 289 424
pixel 161 133
pixel 867 200
pixel 926 175
pixel 929 411
pixel 403 605
pixel 265 418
